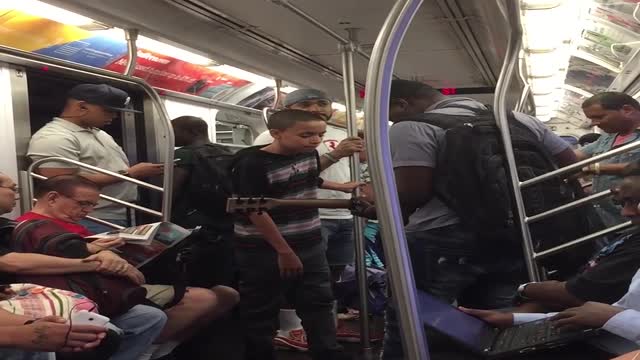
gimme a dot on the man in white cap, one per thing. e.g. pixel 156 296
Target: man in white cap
pixel 337 224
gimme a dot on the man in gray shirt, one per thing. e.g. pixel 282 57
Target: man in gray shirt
pixel 445 256
pixel 76 135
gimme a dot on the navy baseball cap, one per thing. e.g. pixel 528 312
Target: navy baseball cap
pixel 103 95
pixel 304 95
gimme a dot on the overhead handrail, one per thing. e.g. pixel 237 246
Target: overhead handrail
pixel 32 174
pixel 16 56
pixel 317 23
pixel 215 103
pixel 131 35
pixel 265 115
pixel 379 76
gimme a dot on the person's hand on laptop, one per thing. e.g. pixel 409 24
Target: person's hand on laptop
pixel 590 315
pixel 496 318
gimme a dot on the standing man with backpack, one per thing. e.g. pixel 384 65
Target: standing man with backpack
pixel 201 186
pixel 450 259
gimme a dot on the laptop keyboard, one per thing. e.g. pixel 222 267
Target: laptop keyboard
pixel 525 335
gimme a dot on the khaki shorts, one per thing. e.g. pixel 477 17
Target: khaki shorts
pixel 160 294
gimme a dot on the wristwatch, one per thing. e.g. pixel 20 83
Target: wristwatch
pixel 520 291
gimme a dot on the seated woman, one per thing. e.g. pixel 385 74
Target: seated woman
pixel 66 199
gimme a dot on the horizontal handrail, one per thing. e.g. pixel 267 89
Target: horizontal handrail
pixel 99 170
pixel 568 206
pixel 234 145
pixel 96 169
pixel 583 239
pixel 103 222
pixel 214 103
pixel 131 205
pixel 580 164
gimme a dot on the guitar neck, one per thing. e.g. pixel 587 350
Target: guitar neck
pixel 315 203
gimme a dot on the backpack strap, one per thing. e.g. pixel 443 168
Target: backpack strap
pixel 21 232
pixel 443 121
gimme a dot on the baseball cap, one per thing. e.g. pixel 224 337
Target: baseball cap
pixel 304 95
pixel 103 95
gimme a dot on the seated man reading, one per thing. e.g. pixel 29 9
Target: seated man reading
pixel 66 199
pixel 141 324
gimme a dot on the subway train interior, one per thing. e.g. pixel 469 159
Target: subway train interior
pixel 233 64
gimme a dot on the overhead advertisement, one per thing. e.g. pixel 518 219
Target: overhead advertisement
pixel 106 48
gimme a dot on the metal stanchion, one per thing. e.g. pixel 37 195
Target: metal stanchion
pixel 379 76
pixel 347 51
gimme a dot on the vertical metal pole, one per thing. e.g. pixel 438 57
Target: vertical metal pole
pixel 500 111
pixel 379 76
pixel 358 222
pixel 132 51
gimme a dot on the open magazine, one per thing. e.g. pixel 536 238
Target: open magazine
pixel 141 234
pixel 146 242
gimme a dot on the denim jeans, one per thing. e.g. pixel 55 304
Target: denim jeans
pixel 96 228
pixel 337 235
pixel 141 325
pixel 446 264
pixel 14 354
pixel 262 291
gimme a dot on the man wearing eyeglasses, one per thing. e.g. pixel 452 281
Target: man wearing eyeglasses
pixel 142 323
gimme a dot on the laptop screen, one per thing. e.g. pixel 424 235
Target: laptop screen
pixel 445 318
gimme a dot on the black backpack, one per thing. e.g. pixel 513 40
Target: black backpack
pixel 472 178
pixel 203 203
pixel 209 183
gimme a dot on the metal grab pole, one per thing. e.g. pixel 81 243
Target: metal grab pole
pixel 500 112
pixel 379 76
pixel 132 51
pixel 358 222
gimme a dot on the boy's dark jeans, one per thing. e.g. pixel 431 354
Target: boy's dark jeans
pixel 262 291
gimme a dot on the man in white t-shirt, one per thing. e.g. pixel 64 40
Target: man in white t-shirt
pixel 337 224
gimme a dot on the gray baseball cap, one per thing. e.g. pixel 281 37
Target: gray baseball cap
pixel 304 95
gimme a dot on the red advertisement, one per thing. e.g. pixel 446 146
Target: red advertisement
pixel 173 74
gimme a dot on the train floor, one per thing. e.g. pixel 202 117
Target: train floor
pixel 223 341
